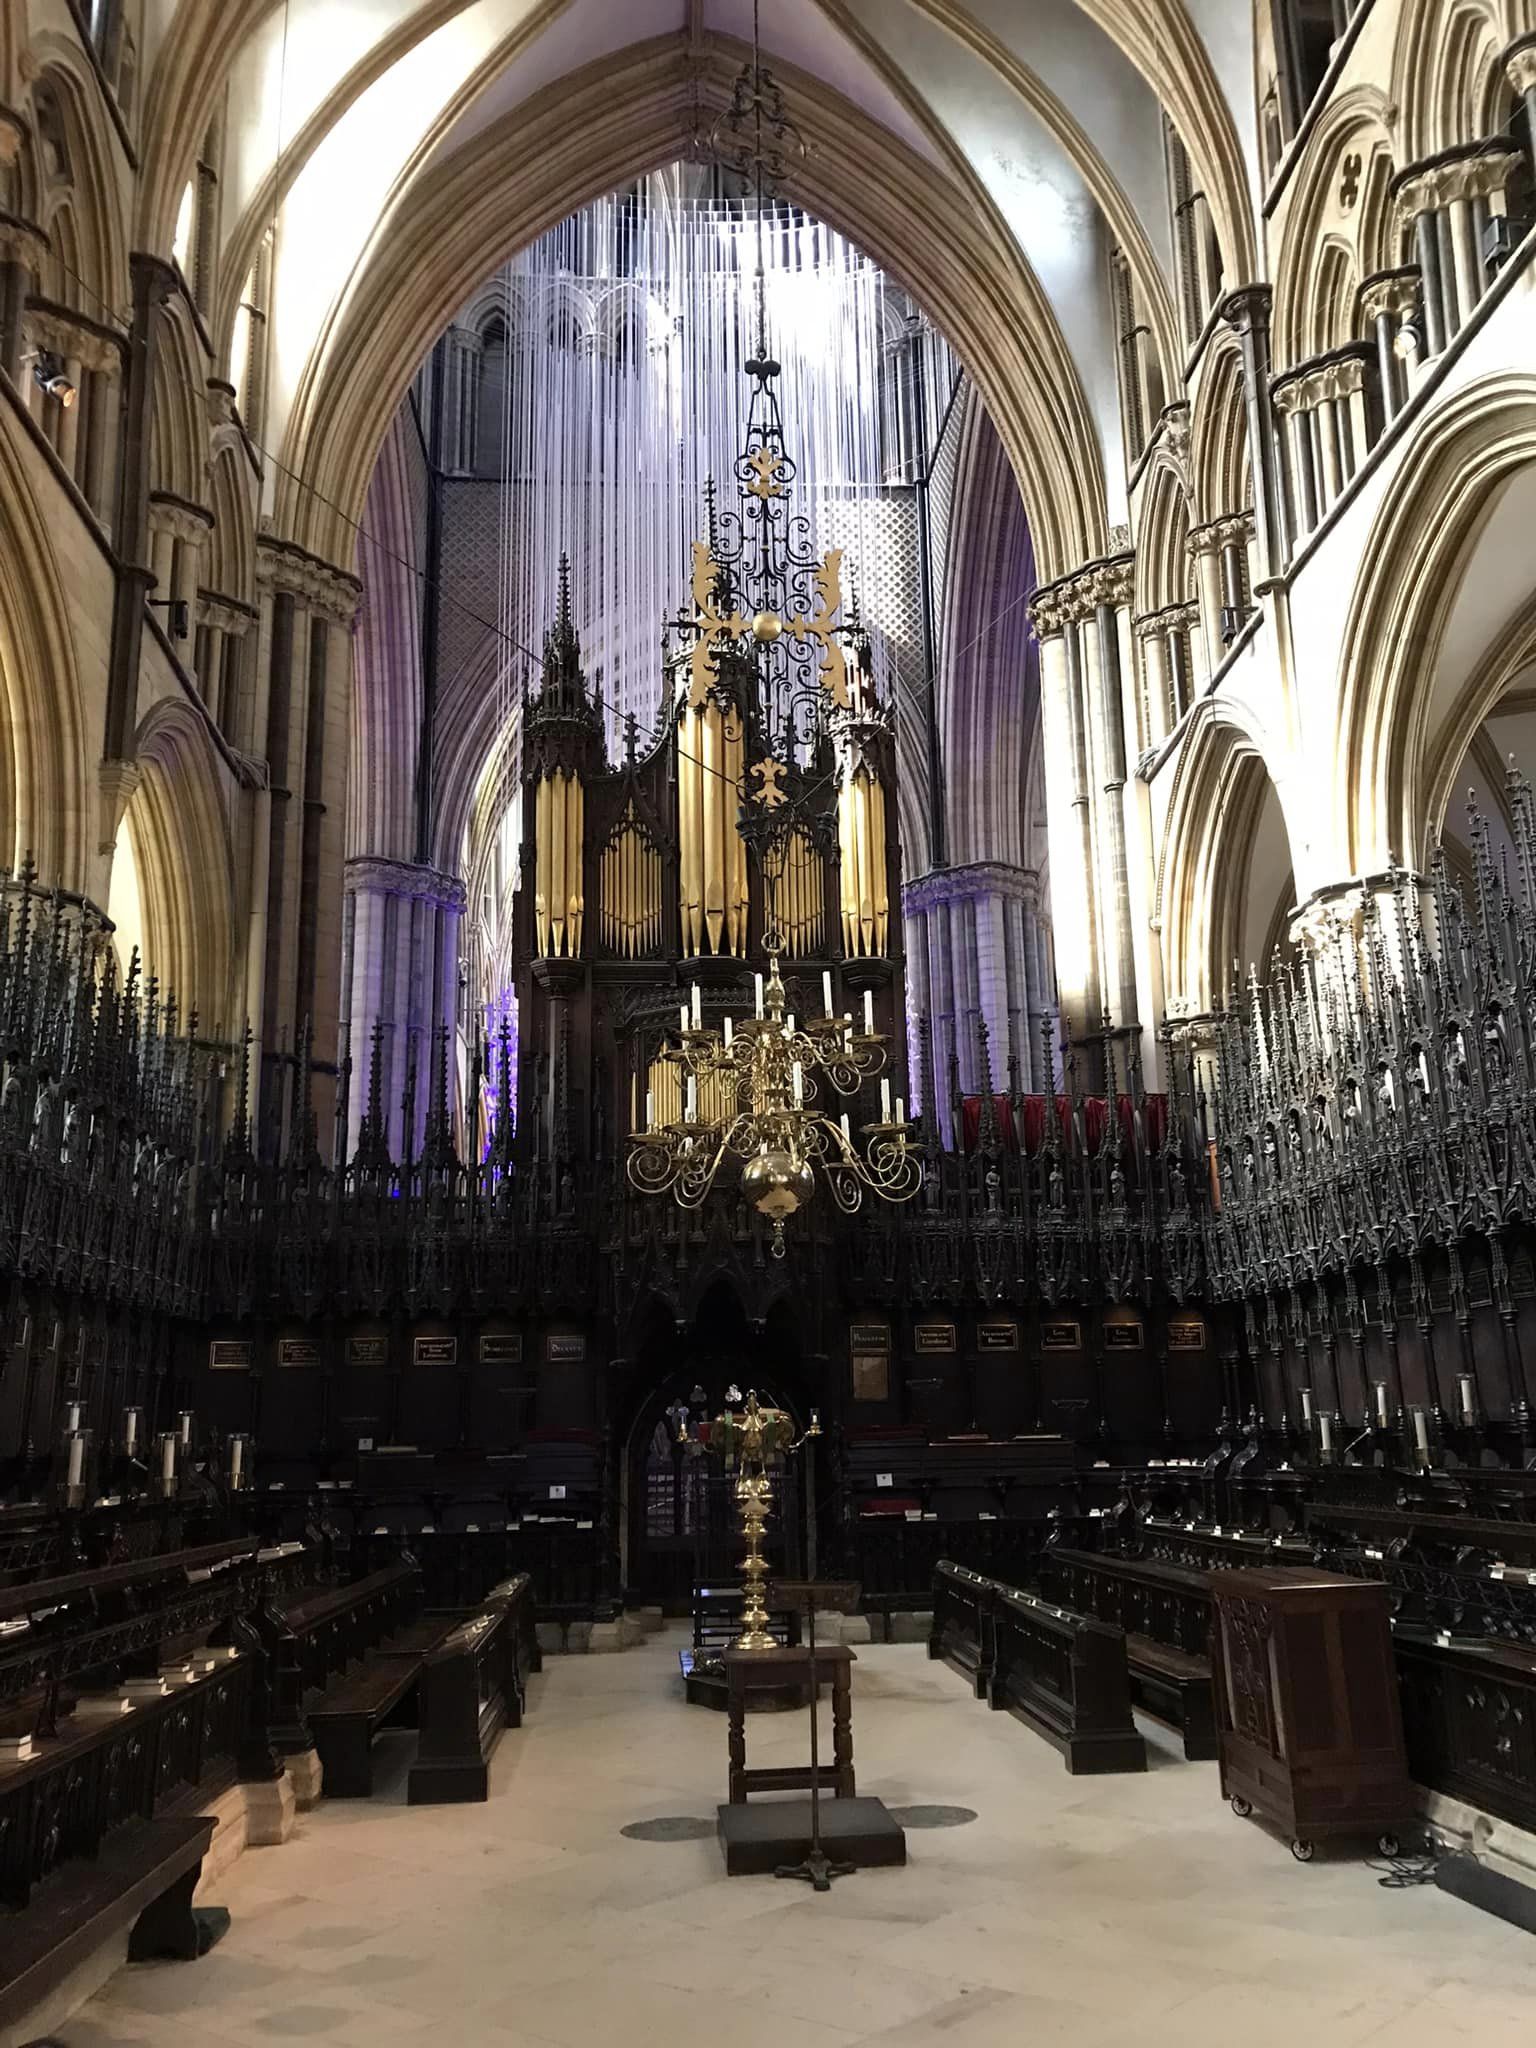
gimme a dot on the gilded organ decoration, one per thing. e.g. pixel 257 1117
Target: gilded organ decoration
pixel 801 897
pixel 631 885
pixel 862 858
pixel 712 857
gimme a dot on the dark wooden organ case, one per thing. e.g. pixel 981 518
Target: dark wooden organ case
pixel 1307 1705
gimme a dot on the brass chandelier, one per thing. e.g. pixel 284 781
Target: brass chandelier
pixel 762 1090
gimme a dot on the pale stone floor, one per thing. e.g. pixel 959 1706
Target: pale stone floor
pixel 1074 1910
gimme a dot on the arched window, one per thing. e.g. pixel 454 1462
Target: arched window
pixel 1141 384
pixel 1197 251
pixel 248 342
pixel 1307 33
pixel 490 414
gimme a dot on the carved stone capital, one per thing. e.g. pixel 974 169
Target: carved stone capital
pixel 966 884
pixel 22 241
pixel 68 335
pixel 179 518
pixel 116 782
pixel 223 614
pixel 1520 64
pixel 331 592
pixel 1048 614
pixel 1394 293
pixel 13 132
pixel 374 875
pixel 1434 186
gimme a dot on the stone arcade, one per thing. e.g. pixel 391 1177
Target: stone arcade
pixel 825 700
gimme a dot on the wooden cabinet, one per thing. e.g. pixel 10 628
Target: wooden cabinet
pixel 1307 1704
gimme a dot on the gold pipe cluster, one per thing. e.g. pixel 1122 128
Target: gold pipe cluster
pixel 559 812
pixel 801 896
pixel 712 854
pixel 717 1093
pixel 631 882
pixel 861 843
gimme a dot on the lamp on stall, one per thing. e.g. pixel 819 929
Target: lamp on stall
pixel 48 370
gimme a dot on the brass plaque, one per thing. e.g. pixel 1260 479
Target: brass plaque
pixel 565 1349
pixel 367 1351
pixel 501 1347
pixel 1186 1335
pixel 869 1337
pixel 229 1354
pixel 871 1376
pixel 1124 1337
pixel 298 1351
pixel 997 1336
pixel 1061 1336
pixel 933 1337
pixel 436 1351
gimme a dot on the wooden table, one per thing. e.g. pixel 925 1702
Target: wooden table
pixel 745 1669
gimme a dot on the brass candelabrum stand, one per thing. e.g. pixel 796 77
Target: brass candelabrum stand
pixel 751 1442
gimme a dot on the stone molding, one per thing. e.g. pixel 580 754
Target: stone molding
pixel 375 875
pixel 1173 618
pixel 223 614
pixel 1234 527
pixel 22 241
pixel 966 884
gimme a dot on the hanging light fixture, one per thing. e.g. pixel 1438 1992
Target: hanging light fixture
pixel 769 652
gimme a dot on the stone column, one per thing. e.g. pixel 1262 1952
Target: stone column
pixel 1247 311
pixel 1519 62
pixel 1205 551
pixel 1108 591
pixel 1068 824
pixel 153 283
pixel 398 910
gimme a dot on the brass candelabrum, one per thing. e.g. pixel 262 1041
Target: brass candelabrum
pixel 761 1090
pixel 751 1443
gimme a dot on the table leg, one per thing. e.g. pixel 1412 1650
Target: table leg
pixel 737 1741
pixel 842 1733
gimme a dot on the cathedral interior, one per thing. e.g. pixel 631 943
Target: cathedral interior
pixel 767 968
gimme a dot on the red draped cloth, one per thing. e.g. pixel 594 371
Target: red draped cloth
pixel 1032 1111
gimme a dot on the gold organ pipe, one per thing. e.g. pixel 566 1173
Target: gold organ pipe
pixel 714 844
pixel 541 803
pixel 879 852
pixel 575 818
pixel 690 829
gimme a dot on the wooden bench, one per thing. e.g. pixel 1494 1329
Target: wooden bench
pixel 350 1713
pixel 1165 1611
pixel 142 1878
pixel 472 1686
pixel 963 1629
pixel 1066 1676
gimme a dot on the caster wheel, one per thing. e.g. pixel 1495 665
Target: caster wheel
pixel 1303 1851
pixel 1388 1845
pixel 1241 1807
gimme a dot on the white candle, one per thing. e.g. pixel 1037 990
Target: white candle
pixel 131 1431
pixel 72 1422
pixel 1467 1387
pixel 885 1101
pixel 757 981
pixel 729 1027
pixel 1382 1412
pixel 798 1078
pixel 693 1098
pixel 76 1458
pixel 650 1110
pixel 697 1007
pixel 682 1018
pixel 826 991
pixel 847 1133
pixel 186 1429
pixel 901 1109
pixel 168 1457
pixel 869 1014
pixel 789 1023
pixel 1325 1434
pixel 1421 1430
pixel 1306 1405
pixel 236 1459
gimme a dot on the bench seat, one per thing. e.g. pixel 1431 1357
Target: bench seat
pixel 1173 1686
pixel 143 1879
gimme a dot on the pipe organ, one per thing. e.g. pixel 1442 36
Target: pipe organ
pixel 757 812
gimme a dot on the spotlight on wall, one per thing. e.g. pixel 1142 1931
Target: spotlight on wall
pixel 1408 342
pixel 49 372
pixel 1501 236
pixel 178 616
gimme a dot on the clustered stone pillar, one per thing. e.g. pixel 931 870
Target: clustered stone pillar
pixel 178 539
pixel 1172 666
pixel 978 951
pixel 1247 313
pixel 301 717
pixel 400 975
pixel 1332 419
pixel 1069 810
pixel 461 361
